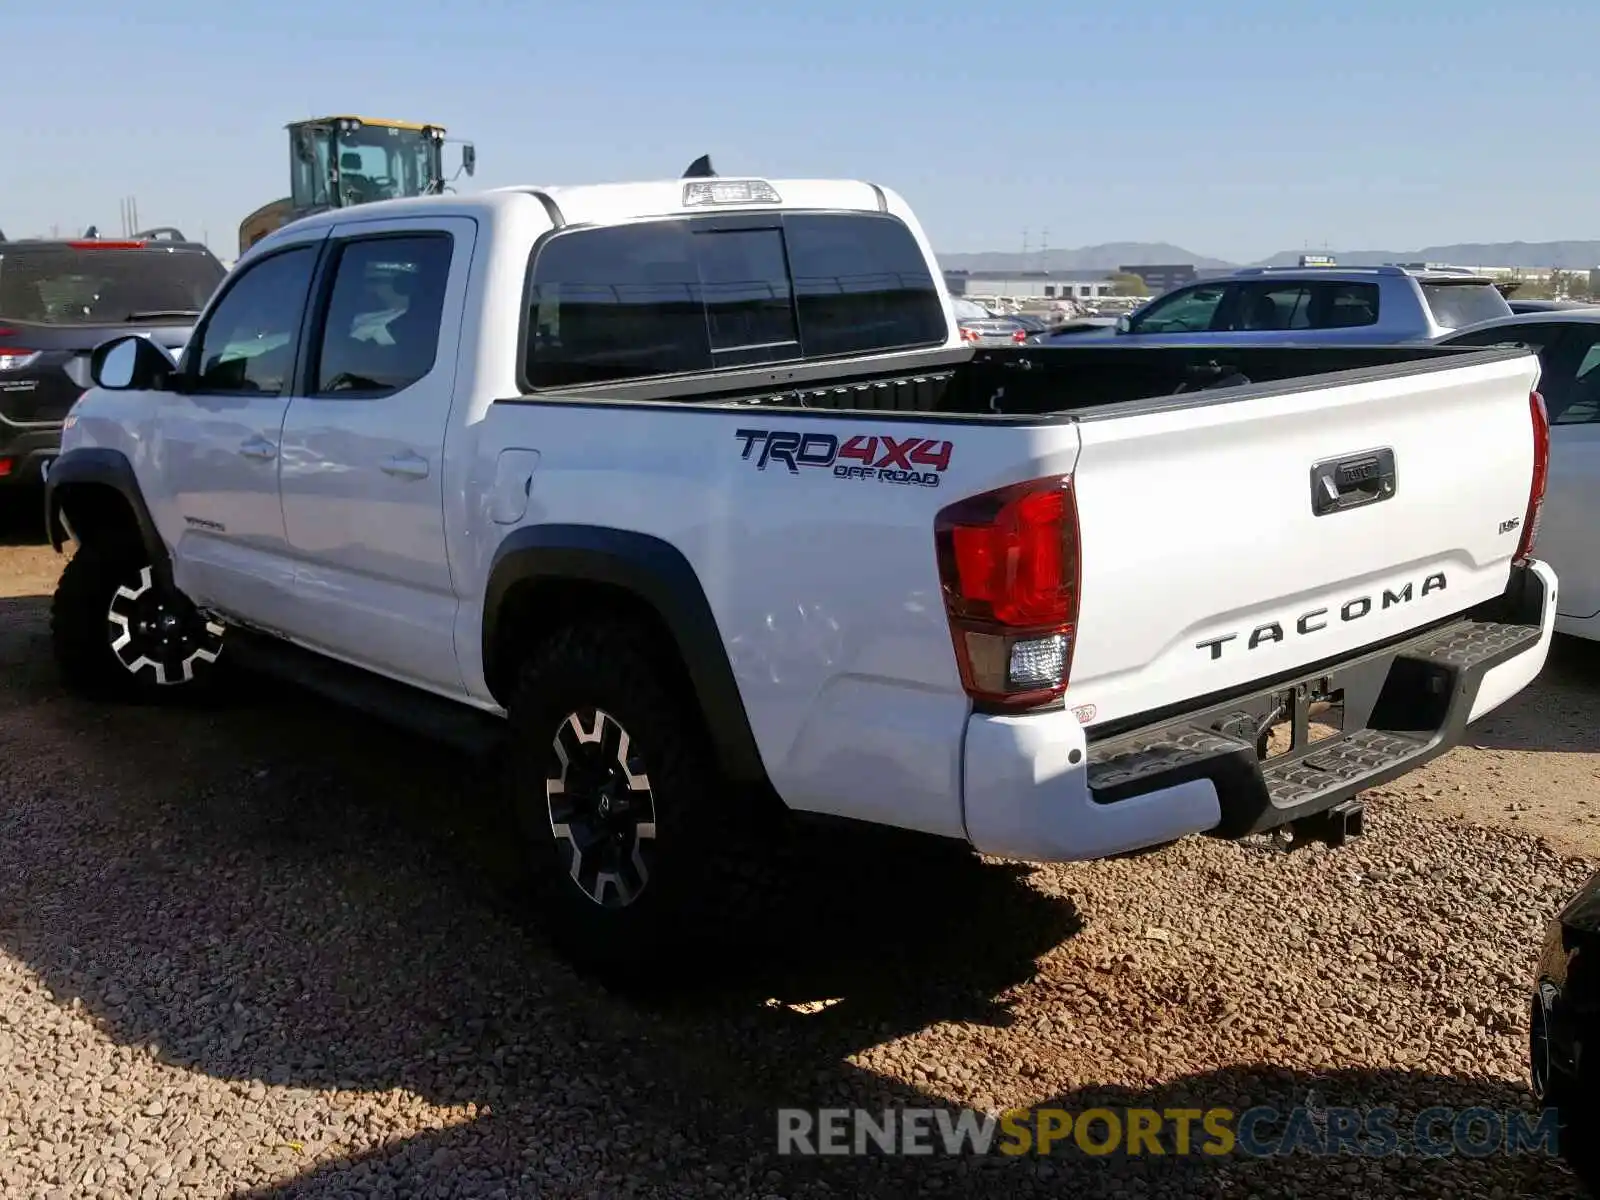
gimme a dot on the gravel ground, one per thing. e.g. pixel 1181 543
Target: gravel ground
pixel 266 949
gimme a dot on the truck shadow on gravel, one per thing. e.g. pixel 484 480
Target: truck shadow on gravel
pixel 1423 1159
pixel 273 889
pixel 268 887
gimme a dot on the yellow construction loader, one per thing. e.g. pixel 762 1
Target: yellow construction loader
pixel 335 162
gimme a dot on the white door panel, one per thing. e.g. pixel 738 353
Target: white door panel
pixel 224 500
pixel 215 446
pixel 363 501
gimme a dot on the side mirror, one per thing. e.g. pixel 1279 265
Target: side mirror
pixel 132 363
pixel 1124 324
pixel 469 158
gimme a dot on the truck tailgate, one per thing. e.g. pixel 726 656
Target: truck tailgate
pixel 1206 563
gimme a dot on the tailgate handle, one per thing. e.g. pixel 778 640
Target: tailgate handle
pixel 1352 480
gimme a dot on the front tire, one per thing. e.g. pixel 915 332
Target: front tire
pixel 117 634
pixel 636 856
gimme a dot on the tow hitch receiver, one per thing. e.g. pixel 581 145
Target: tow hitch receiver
pixel 1332 827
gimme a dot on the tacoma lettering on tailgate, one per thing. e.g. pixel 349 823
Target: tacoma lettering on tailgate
pixel 883 457
pixel 1318 618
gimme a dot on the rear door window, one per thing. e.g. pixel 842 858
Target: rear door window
pixel 1457 305
pixel 1272 306
pixel 696 294
pixel 381 331
pixel 67 285
pixel 1343 305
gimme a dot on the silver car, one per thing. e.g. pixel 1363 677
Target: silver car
pixel 1369 305
pixel 980 327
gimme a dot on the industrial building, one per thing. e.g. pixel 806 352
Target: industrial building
pixel 1032 285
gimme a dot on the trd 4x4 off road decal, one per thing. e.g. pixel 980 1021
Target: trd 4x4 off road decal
pixel 889 459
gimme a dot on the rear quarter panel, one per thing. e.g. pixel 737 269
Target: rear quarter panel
pixel 824 585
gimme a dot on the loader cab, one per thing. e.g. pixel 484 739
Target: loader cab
pixel 336 162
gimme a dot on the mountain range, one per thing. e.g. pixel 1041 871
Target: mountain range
pixel 1571 255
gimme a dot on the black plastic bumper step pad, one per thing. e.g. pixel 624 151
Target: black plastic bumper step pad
pixel 1471 642
pixel 1336 762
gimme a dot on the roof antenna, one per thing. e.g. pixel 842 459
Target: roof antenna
pixel 700 168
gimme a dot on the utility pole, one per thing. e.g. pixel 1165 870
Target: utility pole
pixel 1044 250
pixel 1024 248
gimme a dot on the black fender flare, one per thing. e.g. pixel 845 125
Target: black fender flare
pixel 101 466
pixel 656 573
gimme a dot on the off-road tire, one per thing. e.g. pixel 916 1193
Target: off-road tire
pixel 98 648
pixel 704 856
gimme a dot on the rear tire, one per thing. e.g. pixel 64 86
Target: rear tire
pixel 118 635
pixel 637 858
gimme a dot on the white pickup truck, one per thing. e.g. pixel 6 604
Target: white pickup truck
pixel 695 487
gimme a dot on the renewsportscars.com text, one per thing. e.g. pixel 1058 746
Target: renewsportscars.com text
pixel 1210 1132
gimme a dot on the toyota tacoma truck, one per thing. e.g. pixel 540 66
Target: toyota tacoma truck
pixel 694 490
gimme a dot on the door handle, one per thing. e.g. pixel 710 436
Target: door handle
pixel 406 466
pixel 258 448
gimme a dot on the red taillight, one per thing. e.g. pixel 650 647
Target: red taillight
pixel 1008 562
pixel 1541 476
pixel 5 467
pixel 99 244
pixel 969 335
pixel 14 357
pixel 1019 336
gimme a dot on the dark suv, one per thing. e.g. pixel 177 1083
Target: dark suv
pixel 59 300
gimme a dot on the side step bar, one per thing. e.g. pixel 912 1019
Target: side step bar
pixel 467 729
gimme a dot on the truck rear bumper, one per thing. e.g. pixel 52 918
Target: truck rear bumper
pixel 1036 788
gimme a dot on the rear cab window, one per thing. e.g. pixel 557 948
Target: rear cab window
pixel 696 294
pixel 91 285
pixel 1457 305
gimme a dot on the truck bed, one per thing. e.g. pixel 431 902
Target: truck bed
pixel 1075 380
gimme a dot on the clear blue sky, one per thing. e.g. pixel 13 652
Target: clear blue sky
pixel 1235 128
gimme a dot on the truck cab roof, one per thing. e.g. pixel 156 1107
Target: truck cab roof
pixel 611 203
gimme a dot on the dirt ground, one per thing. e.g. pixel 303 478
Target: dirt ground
pixel 268 948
